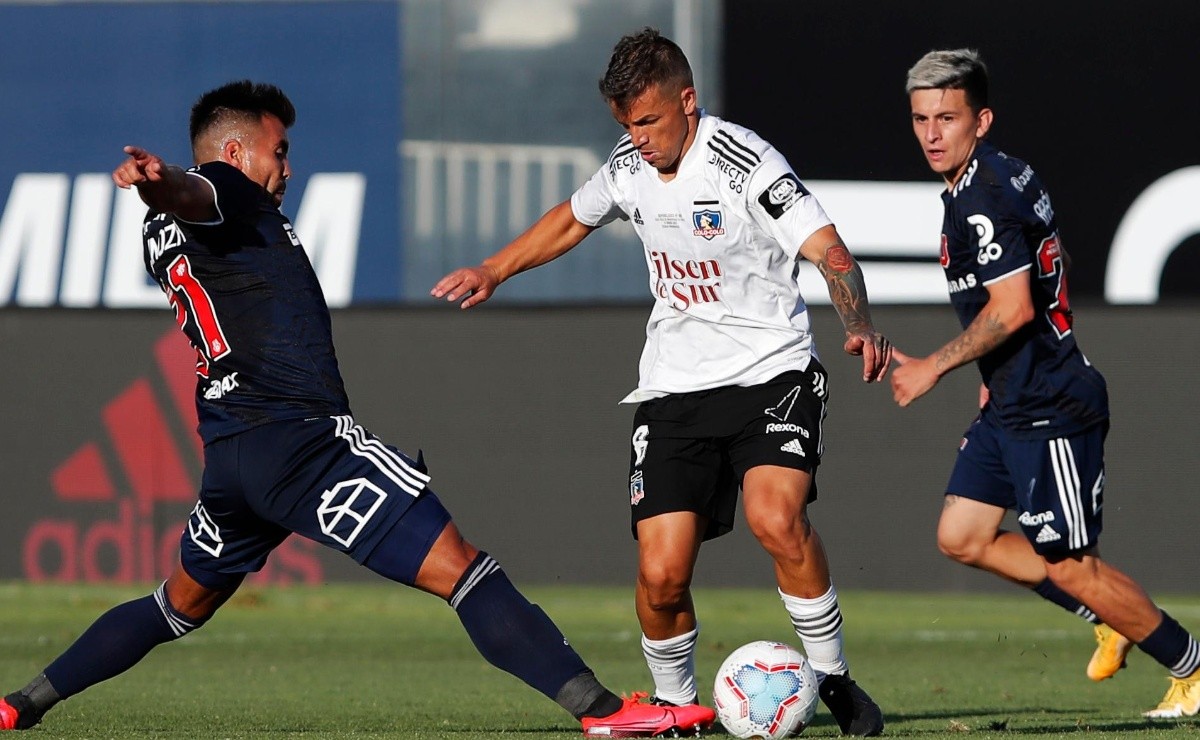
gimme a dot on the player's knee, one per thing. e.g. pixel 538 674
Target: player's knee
pixel 781 533
pixel 665 589
pixel 960 546
pixel 1072 573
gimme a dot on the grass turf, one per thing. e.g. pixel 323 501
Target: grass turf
pixel 375 661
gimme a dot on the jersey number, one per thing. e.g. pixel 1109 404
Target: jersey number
pixel 199 306
pixel 1050 263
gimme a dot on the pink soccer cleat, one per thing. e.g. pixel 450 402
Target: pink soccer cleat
pixel 638 719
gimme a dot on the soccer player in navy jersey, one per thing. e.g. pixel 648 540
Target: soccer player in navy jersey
pixel 1037 445
pixel 282 453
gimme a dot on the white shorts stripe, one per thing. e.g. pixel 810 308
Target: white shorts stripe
pixel 392 465
pixel 1067 478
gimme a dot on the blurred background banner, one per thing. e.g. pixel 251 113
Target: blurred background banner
pixel 431 132
pixel 82 80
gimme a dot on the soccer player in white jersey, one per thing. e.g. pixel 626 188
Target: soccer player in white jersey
pixel 731 393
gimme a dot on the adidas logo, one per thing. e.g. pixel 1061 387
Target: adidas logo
pixel 128 490
pixel 794 448
pixel 1047 535
pixel 637 217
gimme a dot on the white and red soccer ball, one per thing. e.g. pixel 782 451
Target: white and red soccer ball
pixel 765 690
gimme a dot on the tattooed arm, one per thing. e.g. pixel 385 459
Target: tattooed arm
pixel 848 292
pixel 1009 307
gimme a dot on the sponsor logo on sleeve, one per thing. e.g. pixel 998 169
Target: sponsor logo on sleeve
pixel 782 195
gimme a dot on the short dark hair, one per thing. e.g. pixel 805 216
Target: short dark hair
pixel 640 60
pixel 241 99
pixel 952 69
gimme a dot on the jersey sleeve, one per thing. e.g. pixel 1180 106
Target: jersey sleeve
pixel 781 205
pixel 596 202
pixel 995 227
pixel 236 196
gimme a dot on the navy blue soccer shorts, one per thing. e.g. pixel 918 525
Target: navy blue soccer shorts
pixel 1055 485
pixel 326 479
pixel 690 451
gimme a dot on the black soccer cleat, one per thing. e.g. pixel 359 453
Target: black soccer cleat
pixel 17 712
pixel 855 712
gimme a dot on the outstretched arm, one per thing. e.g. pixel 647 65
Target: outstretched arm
pixel 166 188
pixel 1009 307
pixel 551 236
pixel 848 291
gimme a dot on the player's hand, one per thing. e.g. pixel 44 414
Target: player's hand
pixel 913 378
pixel 140 167
pixel 984 395
pixel 476 283
pixel 876 352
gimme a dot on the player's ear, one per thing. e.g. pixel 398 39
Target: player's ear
pixel 984 122
pixel 688 97
pixel 233 153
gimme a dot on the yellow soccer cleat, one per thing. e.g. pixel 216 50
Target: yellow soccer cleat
pixel 1182 699
pixel 1111 649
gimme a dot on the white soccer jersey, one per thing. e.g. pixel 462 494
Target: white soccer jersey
pixel 722 241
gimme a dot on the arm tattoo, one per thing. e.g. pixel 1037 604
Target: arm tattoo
pixel 985 334
pixel 847 289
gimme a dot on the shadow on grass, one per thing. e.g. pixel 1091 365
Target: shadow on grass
pixel 990 720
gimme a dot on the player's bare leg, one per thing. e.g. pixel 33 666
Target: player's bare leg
pixel 776 504
pixel 775 500
pixel 668 545
pixel 446 562
pixel 969 533
pixel 1122 603
pixel 1115 597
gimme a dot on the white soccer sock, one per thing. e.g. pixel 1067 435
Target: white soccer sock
pixel 672 664
pixel 818 623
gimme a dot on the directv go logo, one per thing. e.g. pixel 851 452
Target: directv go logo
pixel 123 544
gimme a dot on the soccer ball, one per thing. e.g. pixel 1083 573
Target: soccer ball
pixel 765 690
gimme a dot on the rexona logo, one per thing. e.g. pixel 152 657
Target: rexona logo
pixel 77 242
pixel 126 527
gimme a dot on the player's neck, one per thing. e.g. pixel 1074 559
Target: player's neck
pixel 952 178
pixel 668 174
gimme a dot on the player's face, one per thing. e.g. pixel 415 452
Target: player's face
pixel 948 129
pixel 661 124
pixel 264 157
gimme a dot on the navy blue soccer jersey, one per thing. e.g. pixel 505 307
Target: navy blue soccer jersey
pixel 999 223
pixel 248 300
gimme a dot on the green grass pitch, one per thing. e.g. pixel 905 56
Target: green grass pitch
pixel 376 661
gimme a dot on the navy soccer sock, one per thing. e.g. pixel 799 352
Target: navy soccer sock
pixel 1172 646
pixel 1050 591
pixel 517 637
pixel 114 643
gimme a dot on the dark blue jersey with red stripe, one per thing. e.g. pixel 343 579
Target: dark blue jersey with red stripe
pixel 247 298
pixel 999 223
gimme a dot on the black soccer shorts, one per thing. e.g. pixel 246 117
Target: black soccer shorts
pixel 690 451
